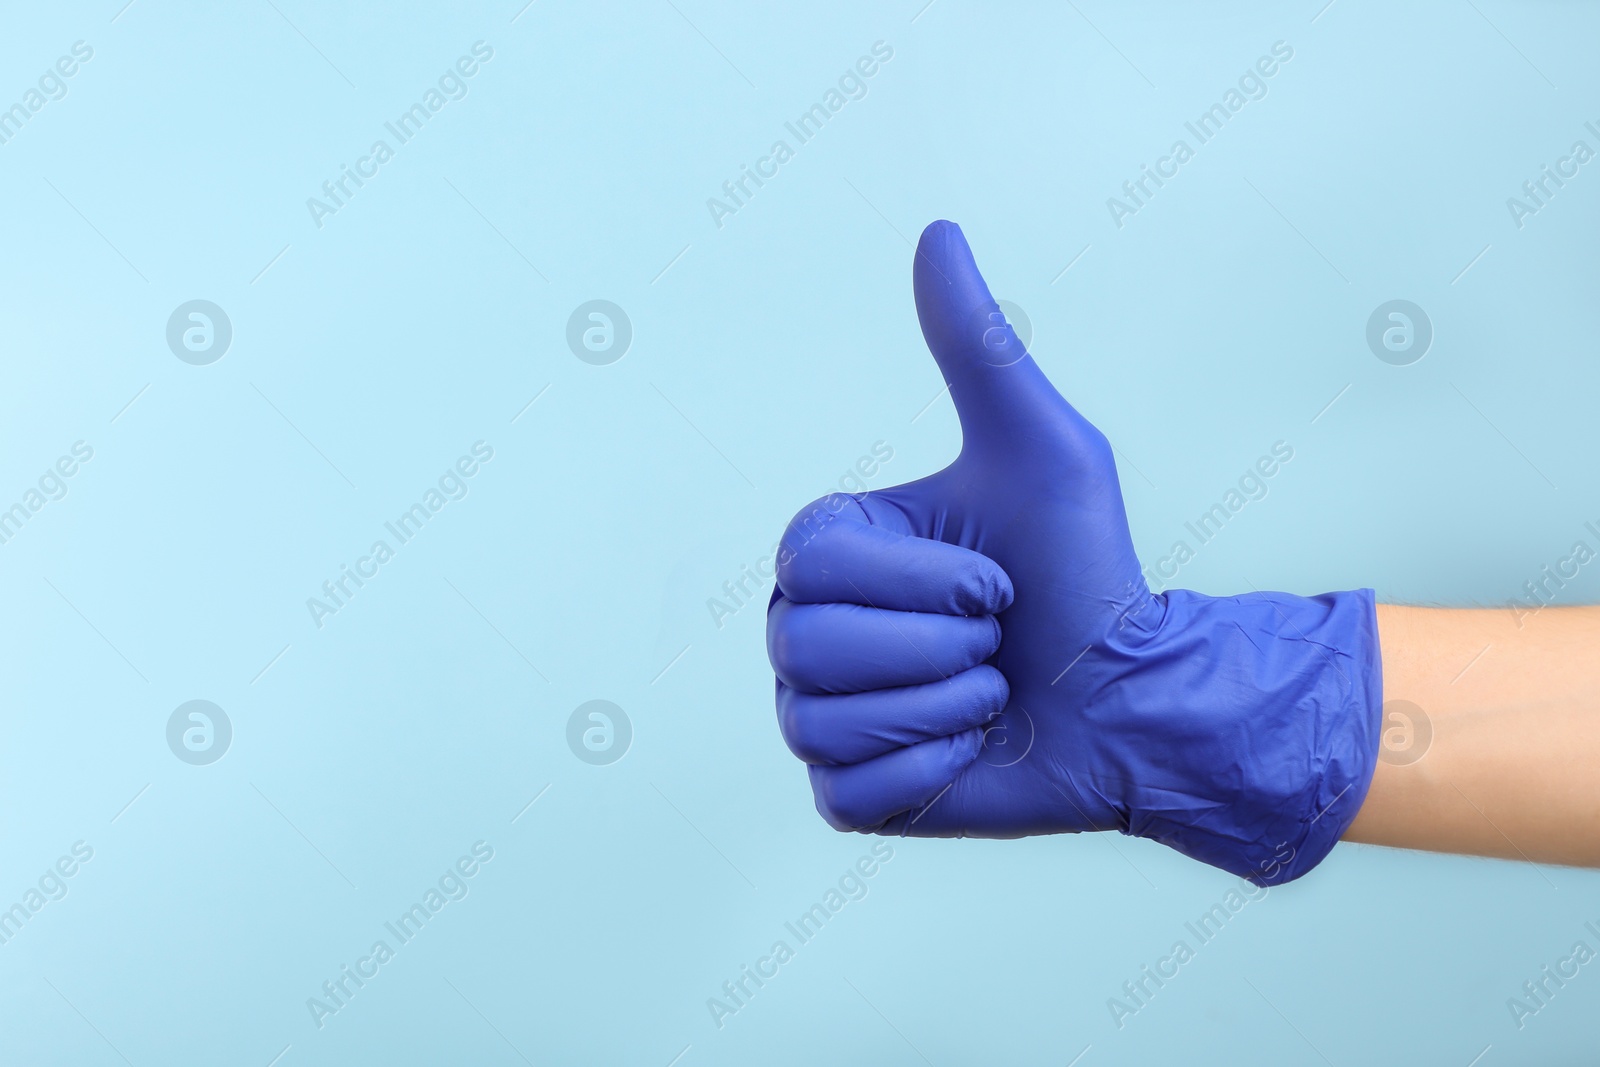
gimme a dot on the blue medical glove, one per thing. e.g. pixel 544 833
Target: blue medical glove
pixel 978 654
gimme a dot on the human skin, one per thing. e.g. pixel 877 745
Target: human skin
pixel 1513 766
pixel 917 629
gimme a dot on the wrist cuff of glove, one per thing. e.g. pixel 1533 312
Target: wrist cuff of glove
pixel 1347 749
pixel 1276 751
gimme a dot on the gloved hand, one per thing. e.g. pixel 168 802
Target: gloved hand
pixel 978 654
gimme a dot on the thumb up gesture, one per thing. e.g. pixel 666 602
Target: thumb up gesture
pixel 977 653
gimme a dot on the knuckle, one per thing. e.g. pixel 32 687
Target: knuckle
pixel 835 821
pixel 830 813
pixel 797 722
pixel 930 760
pixel 777 642
pixel 985 691
pixel 992 635
pixel 973 585
pixel 787 653
pixel 940 762
pixel 787 640
pixel 802 552
pixel 1098 446
pixel 812 521
pixel 981 638
pixel 839 808
pixel 996 690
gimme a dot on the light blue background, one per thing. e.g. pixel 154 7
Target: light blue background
pixel 767 357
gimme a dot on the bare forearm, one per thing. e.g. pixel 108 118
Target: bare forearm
pixel 1512 768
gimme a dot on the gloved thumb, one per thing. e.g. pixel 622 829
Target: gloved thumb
pixel 999 391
